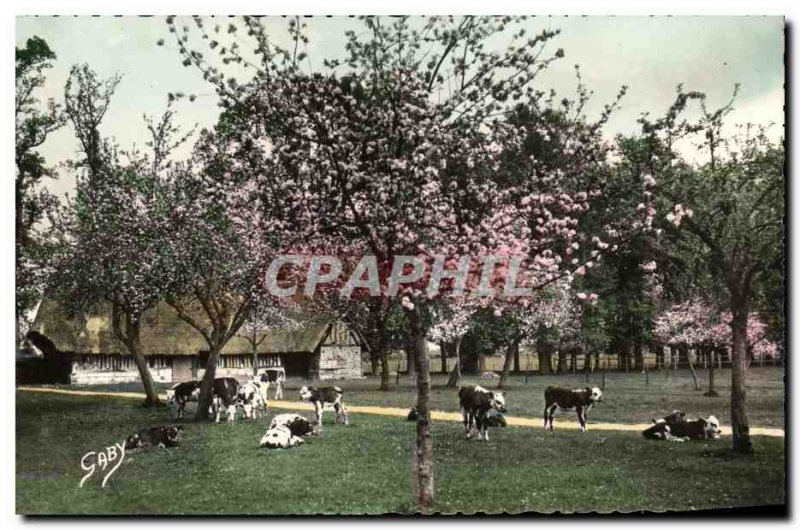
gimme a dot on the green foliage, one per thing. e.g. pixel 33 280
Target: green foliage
pixel 34 122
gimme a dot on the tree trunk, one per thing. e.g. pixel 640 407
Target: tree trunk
pixel 711 390
pixel 688 356
pixel 128 332
pixel 561 367
pixel 638 354
pixel 739 424
pixel 151 396
pixel 511 351
pixel 385 369
pixel 374 365
pixel 455 374
pixel 254 346
pixel 517 368
pixel 544 351
pixel 207 385
pixel 411 363
pixel 659 349
pixel 422 458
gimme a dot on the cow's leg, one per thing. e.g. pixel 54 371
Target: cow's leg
pixel 581 418
pixel 318 413
pixel 546 415
pixel 465 416
pixel 550 415
pixel 483 428
pixel 215 406
pixel 231 413
pixel 181 406
pixel 341 412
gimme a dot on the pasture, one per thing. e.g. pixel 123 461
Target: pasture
pixel 364 468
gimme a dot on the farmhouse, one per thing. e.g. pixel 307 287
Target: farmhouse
pixel 177 352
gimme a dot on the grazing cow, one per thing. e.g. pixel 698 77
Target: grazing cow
pixel 250 398
pixel 182 393
pixel 476 402
pixel 564 399
pixel 269 376
pixel 699 429
pixel 168 436
pixel 328 395
pixel 297 424
pixel 280 437
pixel 225 390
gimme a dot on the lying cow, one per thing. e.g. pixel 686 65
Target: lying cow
pixel 699 429
pixel 224 393
pixel 328 395
pixel 250 398
pixel 182 393
pixel 476 402
pixel 280 438
pixel 661 431
pixel 168 436
pixel 495 419
pixel 271 376
pixel 581 401
pixel 297 424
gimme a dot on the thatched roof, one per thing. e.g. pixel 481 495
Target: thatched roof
pixel 163 333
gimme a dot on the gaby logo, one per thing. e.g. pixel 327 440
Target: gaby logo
pixel 102 459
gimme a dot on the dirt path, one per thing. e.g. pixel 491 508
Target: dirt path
pixel 435 414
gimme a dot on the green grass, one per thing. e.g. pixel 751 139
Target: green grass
pixel 365 468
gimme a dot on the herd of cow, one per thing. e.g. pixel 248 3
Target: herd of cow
pixel 480 408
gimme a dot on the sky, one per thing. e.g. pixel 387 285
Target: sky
pixel 651 55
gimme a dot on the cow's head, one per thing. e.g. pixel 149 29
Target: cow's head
pixel 174 433
pixel 132 441
pixel 711 429
pixel 595 394
pixel 305 392
pixel 170 396
pixel 498 401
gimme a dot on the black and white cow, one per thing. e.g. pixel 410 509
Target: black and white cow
pixel 476 402
pixel 581 400
pixel 286 430
pixel 167 436
pixel 271 376
pixel 225 391
pixel 280 438
pixel 182 393
pixel 250 398
pixel 327 395
pixel 299 425
pixel 699 429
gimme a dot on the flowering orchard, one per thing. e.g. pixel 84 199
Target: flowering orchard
pixel 424 179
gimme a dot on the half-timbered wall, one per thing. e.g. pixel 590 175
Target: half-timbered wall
pixel 339 354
